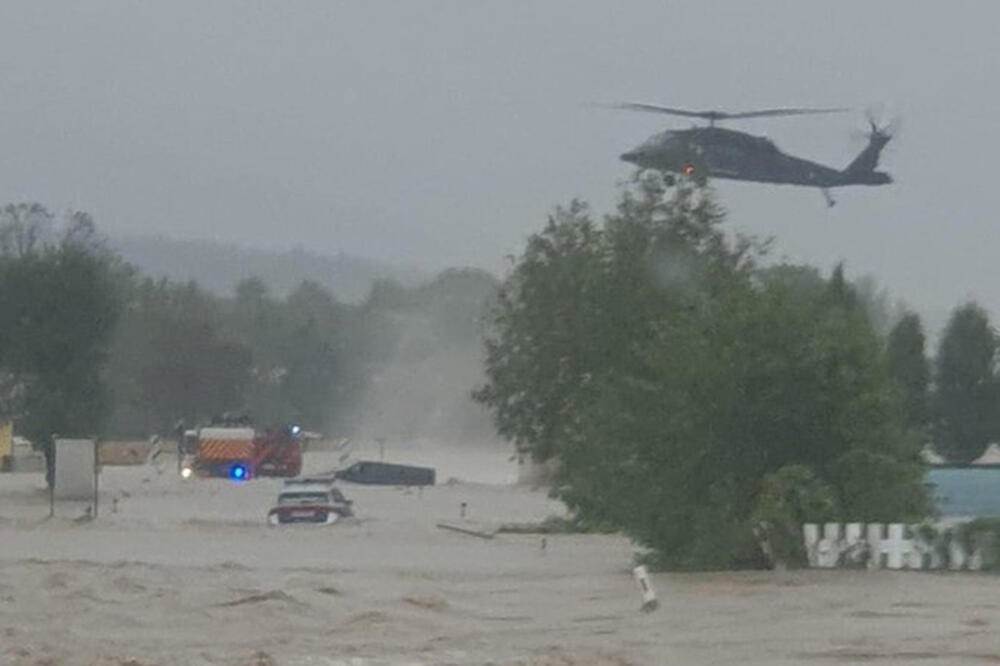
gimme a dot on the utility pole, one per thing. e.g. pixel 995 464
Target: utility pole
pixel 97 471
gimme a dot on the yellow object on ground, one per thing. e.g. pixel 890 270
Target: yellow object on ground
pixel 6 438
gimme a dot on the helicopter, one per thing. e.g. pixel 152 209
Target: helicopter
pixel 716 152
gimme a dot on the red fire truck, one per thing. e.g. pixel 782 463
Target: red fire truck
pixel 241 453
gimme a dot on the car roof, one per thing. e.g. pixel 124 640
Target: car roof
pixel 327 480
pixel 306 488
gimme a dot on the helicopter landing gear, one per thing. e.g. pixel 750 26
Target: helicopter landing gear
pixel 830 203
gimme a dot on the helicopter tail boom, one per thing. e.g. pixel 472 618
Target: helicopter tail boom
pixel 862 169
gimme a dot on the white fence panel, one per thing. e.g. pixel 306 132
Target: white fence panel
pixel 893 546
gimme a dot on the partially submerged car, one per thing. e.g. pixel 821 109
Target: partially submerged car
pixel 315 500
pixel 387 474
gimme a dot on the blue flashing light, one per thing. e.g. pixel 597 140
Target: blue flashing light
pixel 238 472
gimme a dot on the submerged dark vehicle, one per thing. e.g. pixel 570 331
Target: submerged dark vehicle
pixel 387 474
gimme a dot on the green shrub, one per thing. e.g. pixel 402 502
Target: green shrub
pixel 876 488
pixel 789 498
pixel 982 534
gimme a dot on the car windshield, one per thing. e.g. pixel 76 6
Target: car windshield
pixel 303 498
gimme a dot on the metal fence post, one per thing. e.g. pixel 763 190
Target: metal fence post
pixel 97 475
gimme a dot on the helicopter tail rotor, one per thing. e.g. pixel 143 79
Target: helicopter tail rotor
pixel 877 130
pixel 863 167
pixel 881 124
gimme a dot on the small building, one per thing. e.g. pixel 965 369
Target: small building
pixel 990 457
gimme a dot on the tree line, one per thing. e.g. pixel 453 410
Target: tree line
pixel 704 403
pixel 694 397
pixel 91 346
pixel 953 399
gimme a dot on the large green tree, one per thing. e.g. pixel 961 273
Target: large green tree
pixel 548 346
pixel 670 377
pixel 59 304
pixel 966 396
pixel 910 368
pixel 172 358
pixel 315 354
pixel 297 346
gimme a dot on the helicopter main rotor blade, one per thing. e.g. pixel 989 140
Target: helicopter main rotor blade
pixel 766 113
pixel 722 115
pixel 654 108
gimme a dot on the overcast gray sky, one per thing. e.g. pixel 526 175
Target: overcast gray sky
pixel 440 133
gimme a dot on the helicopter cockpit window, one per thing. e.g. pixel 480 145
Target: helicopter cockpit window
pixel 660 140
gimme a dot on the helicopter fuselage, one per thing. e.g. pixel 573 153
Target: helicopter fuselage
pixel 717 152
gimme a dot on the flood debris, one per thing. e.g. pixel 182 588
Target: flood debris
pixel 426 602
pixel 472 529
pixel 273 595
pixel 649 601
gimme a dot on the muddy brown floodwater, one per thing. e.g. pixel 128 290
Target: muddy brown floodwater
pixel 187 573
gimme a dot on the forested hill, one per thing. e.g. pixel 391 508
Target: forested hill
pixel 218 266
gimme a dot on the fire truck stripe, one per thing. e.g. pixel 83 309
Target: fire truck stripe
pixel 220 449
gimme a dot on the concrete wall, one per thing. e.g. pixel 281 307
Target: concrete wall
pixel 74 478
